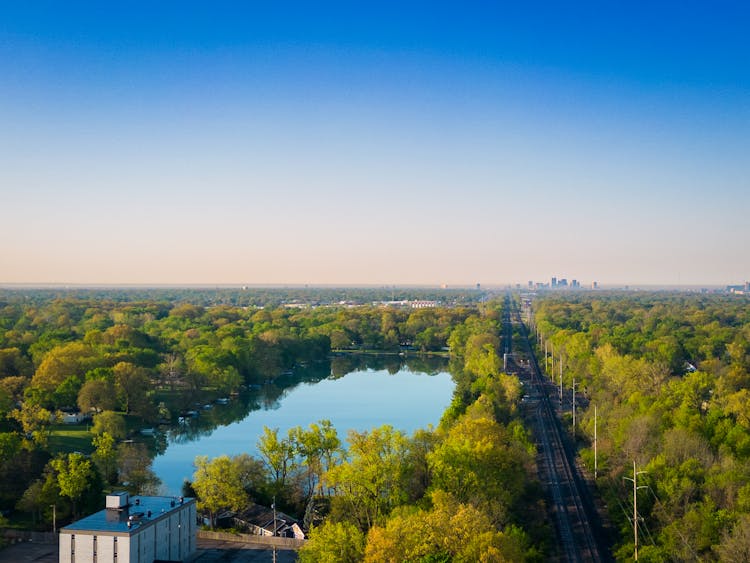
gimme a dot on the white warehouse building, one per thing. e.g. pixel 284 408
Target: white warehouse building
pixel 137 529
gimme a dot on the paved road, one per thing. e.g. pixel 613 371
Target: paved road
pixel 215 551
pixel 28 551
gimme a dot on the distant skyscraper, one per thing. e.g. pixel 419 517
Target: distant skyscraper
pixel 594 285
pixel 479 286
pixel 554 282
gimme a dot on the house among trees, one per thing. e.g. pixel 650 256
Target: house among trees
pixel 74 417
pixel 141 529
pixel 259 520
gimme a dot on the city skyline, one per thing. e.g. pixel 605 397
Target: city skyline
pixel 374 145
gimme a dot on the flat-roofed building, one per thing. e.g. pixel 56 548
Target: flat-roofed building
pixel 138 529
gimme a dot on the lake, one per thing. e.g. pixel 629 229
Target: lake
pixel 406 399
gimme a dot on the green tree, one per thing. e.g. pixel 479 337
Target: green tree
pixel 318 447
pixel 39 496
pixel 479 462
pixel 74 358
pixel 35 421
pixel 13 387
pixel 10 445
pixel 449 531
pixel 278 455
pixel 735 544
pixel 481 355
pixel 13 363
pixel 97 395
pixel 132 384
pixel 105 456
pixel 333 542
pixel 66 393
pixel 219 485
pixel 75 475
pixel 375 478
pixel 111 423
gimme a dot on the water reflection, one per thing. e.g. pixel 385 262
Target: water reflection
pixel 206 415
pixel 408 393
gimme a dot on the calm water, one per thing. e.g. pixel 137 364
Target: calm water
pixel 359 400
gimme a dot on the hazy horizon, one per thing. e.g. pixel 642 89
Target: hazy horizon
pixel 374 144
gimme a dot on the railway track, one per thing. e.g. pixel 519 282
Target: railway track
pixel 576 521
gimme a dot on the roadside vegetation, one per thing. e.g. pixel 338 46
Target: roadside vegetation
pixel 670 377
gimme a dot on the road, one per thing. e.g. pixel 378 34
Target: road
pixel 578 528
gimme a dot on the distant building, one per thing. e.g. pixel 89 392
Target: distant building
pixel 423 304
pixel 554 282
pixel 738 289
pixel 594 285
pixel 138 530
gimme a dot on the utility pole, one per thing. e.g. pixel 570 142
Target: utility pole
pixel 552 371
pixel 635 508
pixel 574 405
pixel 54 519
pixel 561 387
pixel 546 361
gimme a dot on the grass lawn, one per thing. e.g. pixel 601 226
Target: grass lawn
pixel 71 438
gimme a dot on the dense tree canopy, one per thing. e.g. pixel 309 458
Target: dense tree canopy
pixel 669 376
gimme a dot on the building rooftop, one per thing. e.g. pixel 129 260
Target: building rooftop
pixel 140 511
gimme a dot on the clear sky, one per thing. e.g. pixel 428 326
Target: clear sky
pixel 374 142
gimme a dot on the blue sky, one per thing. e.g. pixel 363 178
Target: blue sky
pixel 374 143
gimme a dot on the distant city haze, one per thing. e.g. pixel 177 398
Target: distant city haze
pixel 374 143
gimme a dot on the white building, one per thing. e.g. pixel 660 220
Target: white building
pixel 132 530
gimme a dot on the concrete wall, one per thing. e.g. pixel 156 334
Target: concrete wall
pixel 84 548
pixel 269 541
pixel 64 548
pixel 105 548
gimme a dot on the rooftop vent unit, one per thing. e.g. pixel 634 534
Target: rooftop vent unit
pixel 118 501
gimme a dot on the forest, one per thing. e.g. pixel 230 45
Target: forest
pixel 130 362
pixel 667 375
